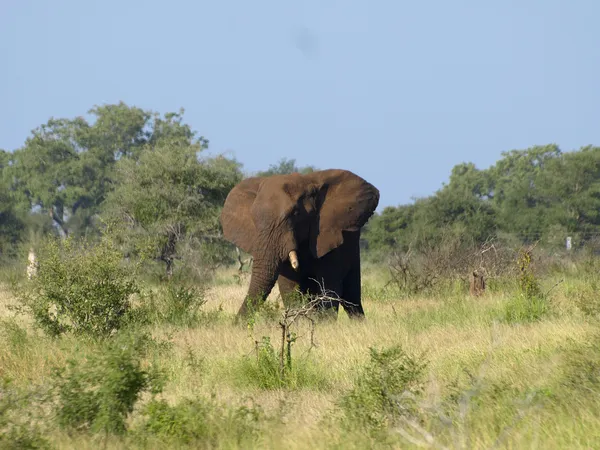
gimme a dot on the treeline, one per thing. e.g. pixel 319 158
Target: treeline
pixel 537 194
pixel 138 170
pixel 127 166
pixel 148 174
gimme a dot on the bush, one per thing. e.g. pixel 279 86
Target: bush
pixel 181 304
pixel 530 304
pixel 384 390
pixel 520 309
pixel 175 303
pixel 98 394
pixel 265 371
pixel 80 288
pixel 202 423
pixel 17 430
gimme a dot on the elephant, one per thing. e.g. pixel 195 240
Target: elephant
pixel 303 232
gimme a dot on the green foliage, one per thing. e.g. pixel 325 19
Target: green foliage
pixel 528 283
pixel 18 429
pixel 521 309
pixel 171 201
pixel 80 287
pixel 12 225
pixel 175 303
pixel 265 372
pixel 66 167
pixel 182 303
pixel 99 393
pixel 539 193
pixel 530 304
pixel 142 168
pixel 285 166
pixel 201 423
pixel 386 388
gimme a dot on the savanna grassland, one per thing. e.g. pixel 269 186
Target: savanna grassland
pixel 439 369
pixel 98 351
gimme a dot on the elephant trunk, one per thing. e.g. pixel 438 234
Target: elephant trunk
pixel 264 275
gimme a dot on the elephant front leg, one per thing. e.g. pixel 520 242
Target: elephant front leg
pixel 329 289
pixel 352 295
pixel 290 290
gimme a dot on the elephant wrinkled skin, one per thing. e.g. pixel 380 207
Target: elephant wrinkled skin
pixel 301 228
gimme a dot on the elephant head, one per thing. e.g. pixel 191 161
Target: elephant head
pixel 270 217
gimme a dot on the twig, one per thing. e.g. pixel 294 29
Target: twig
pixel 559 282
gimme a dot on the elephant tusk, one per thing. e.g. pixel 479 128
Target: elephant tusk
pixel 294 260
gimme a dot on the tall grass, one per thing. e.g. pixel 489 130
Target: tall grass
pixel 439 369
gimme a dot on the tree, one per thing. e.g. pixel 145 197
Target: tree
pixel 67 166
pixel 285 166
pixel 569 190
pixel 515 188
pixel 389 229
pixel 11 224
pixel 169 197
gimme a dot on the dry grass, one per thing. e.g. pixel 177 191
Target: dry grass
pixel 454 334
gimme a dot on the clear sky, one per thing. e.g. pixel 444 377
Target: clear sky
pixel 396 91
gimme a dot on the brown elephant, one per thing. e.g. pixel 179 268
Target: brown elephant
pixel 301 228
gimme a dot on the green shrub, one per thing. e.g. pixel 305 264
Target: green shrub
pixel 17 427
pixel 528 283
pixel 81 288
pixel 175 303
pixel 520 309
pixel 22 437
pixel 98 394
pixel 384 390
pixel 530 304
pixel 182 303
pixel 201 423
pixel 264 370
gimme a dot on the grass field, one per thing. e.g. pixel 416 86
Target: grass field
pixel 496 374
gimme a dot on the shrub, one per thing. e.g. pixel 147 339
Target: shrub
pixel 203 423
pixel 180 304
pixel 81 288
pixel 385 389
pixel 530 304
pixel 265 371
pixel 175 303
pixel 17 430
pixel 23 437
pixel 520 309
pixel 98 394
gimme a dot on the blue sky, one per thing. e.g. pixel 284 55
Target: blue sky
pixel 398 92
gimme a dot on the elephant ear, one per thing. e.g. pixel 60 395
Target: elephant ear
pixel 346 203
pixel 236 216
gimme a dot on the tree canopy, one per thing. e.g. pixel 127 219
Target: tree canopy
pixel 530 194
